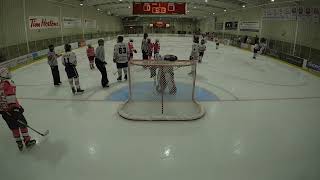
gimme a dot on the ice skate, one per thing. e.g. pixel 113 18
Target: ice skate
pixel 73 90
pixel 79 90
pixel 125 77
pixel 31 143
pixel 119 78
pixel 20 145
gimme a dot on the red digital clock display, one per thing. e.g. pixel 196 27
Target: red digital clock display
pixel 158 8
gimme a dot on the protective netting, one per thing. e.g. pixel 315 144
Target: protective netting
pixel 161 90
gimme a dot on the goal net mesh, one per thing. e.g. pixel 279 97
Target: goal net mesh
pixel 161 90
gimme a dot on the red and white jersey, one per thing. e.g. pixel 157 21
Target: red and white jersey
pixel 8 99
pixel 131 48
pixel 156 47
pixel 150 47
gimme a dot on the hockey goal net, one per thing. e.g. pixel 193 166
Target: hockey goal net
pixel 161 91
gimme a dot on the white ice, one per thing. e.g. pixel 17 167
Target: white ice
pixel 265 126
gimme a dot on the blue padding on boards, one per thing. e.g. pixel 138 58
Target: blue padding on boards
pixel 145 91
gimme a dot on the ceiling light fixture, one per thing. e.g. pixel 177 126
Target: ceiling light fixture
pixel 272 0
pixel 206 1
pixel 98 9
pixel 243 6
pixel 225 10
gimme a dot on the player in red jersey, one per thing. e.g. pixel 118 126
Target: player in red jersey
pixel 12 111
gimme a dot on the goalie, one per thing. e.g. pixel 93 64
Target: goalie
pixel 165 75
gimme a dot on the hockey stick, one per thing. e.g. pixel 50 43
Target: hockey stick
pixel 42 134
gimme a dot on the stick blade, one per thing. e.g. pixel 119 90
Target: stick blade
pixel 45 133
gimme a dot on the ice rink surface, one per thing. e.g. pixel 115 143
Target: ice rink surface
pixel 263 126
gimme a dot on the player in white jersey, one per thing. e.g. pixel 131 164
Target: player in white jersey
pixel 121 56
pixel 202 49
pixel 194 56
pixel 165 75
pixel 69 60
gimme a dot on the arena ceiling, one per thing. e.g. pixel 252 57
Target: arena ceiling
pixel 196 8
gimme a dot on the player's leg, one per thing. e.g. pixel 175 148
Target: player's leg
pixel 14 127
pixel 173 88
pixel 104 77
pixel 125 71
pixel 56 75
pixel 119 67
pixel 17 114
pixel 77 83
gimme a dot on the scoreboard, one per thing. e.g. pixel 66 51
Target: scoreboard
pixel 158 8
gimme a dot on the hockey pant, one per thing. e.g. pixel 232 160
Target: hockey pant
pixel 124 67
pixel 17 128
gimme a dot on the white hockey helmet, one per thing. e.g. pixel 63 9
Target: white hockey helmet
pixel 5 73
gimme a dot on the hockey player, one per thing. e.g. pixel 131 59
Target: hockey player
pixel 202 49
pixel 12 111
pixel 131 48
pixel 121 56
pixel 165 75
pixel 144 47
pixel 156 48
pixel 69 60
pixel 150 48
pixel 194 56
pixel 256 49
pixel 217 43
pixel 101 63
pixel 53 63
pixel 259 48
pixel 91 55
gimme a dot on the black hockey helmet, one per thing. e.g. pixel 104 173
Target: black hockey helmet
pixel 196 39
pixel 131 40
pixel 100 42
pixel 145 35
pixel 67 47
pixel 51 47
pixel 120 38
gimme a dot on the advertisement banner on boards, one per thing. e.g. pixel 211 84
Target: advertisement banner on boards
pixel 249 26
pixel 90 23
pixel 43 22
pixel 69 22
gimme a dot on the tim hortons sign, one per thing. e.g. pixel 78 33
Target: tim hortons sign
pixel 43 22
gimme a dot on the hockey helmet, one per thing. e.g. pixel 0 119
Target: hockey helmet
pixel 131 40
pixel 51 47
pixel 157 40
pixel 196 39
pixel 67 47
pixel 5 73
pixel 100 42
pixel 120 38
pixel 203 41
